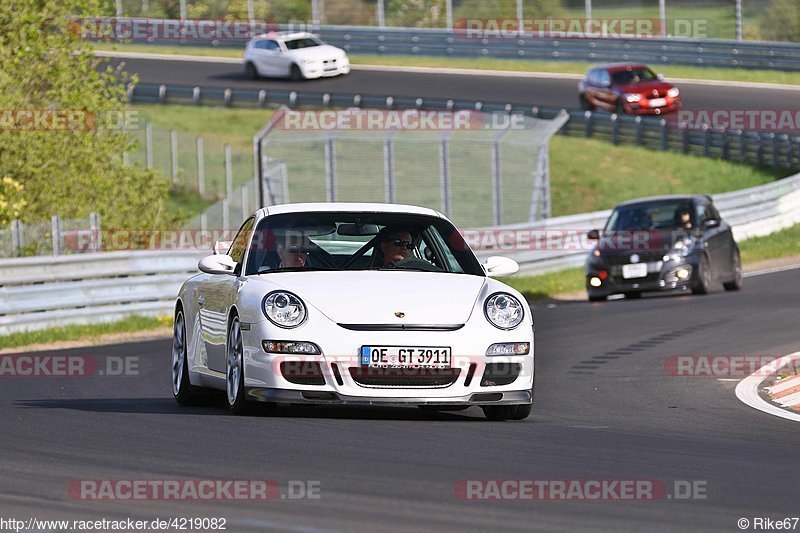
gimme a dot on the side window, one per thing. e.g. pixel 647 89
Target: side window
pixel 703 213
pixel 605 78
pixel 241 240
pixel 260 45
pixel 713 213
pixel 591 77
pixel 271 45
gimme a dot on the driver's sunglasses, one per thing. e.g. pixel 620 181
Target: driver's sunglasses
pixel 401 243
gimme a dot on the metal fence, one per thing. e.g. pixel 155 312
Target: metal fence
pixel 56 237
pixel 211 168
pixel 771 149
pixel 489 172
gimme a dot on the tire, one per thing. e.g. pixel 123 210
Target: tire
pixel 251 71
pixel 620 108
pixel 597 298
pixel 633 295
pixel 234 371
pixel 182 389
pixel 519 411
pixel 585 105
pixel 736 283
pixel 702 283
pixel 295 74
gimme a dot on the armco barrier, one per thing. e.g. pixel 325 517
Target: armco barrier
pixel 777 150
pixel 458 43
pixel 40 292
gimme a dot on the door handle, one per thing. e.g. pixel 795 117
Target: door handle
pixel 201 301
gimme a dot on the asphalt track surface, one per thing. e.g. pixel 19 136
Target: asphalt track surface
pixel 605 408
pixel 516 90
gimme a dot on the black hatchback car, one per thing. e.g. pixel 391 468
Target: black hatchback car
pixel 660 244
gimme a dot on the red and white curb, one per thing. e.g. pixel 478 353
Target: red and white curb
pixel 785 392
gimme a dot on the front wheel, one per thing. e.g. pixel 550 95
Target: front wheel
pixel 251 71
pixel 295 74
pixel 182 390
pixel 234 372
pixel 703 282
pixel 736 283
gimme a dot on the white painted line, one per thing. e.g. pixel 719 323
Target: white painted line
pixel 747 390
pixel 444 70
pixel 770 270
pixel 784 384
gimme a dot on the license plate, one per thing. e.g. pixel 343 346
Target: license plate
pixel 406 356
pixel 638 270
pixel 658 102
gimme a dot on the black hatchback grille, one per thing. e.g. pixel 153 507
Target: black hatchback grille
pixel 404 377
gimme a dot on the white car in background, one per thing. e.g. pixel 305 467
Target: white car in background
pixel 348 325
pixel 296 55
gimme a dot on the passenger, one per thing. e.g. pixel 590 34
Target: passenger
pixel 293 254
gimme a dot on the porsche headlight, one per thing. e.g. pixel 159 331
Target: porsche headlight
pixel 633 97
pixel 503 311
pixel 284 309
pixel 673 93
pixel 683 247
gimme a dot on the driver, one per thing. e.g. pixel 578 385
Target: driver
pixel 395 244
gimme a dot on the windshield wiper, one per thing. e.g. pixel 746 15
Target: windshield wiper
pixel 295 269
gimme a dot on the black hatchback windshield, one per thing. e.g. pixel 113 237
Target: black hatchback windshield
pixel 665 215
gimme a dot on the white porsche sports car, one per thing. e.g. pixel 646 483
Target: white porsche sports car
pixel 346 303
pixel 296 55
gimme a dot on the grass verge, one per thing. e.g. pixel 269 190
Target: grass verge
pixel 86 332
pixel 779 244
pixel 485 63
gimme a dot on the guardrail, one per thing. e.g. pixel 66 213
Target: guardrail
pixel 752 212
pixel 777 150
pixel 461 43
pixel 40 292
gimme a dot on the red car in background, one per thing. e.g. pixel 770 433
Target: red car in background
pixel 627 88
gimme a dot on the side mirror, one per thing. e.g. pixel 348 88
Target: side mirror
pixel 660 76
pixel 221 247
pixel 593 234
pixel 497 266
pixel 217 264
pixel 711 223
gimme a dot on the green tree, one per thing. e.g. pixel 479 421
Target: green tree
pixel 70 163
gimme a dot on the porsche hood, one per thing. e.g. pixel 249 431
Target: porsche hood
pixel 384 297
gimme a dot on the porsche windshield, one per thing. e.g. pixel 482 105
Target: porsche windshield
pixel 634 75
pixel 664 215
pixel 359 241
